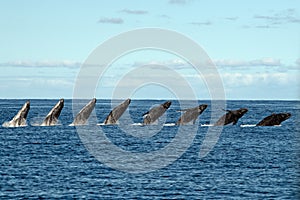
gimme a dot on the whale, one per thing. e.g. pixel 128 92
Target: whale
pixel 20 118
pixel 154 113
pixel 191 114
pixel 52 117
pixel 117 112
pixel 232 116
pixel 274 119
pixel 84 114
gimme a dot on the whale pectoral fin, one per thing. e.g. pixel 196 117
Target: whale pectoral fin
pixel 235 121
pixel 147 119
pixel 22 122
pixel 107 118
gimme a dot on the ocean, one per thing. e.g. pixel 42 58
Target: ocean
pixel 247 162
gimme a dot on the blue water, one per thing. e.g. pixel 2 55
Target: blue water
pixel 246 163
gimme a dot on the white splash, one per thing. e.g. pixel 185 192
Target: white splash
pixel 137 124
pixel 207 125
pixel 170 124
pixel 101 124
pixel 248 125
pixel 7 124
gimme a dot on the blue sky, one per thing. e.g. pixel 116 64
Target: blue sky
pixel 255 44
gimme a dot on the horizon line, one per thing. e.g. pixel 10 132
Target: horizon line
pixel 158 99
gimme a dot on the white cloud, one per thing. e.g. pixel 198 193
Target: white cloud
pixel 182 64
pixel 277 18
pixel 244 63
pixel 178 2
pixel 231 18
pixel 45 63
pixel 177 63
pixel 51 82
pixel 205 23
pixel 134 12
pixel 111 20
pixel 257 79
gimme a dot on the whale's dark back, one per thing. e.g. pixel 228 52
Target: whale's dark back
pixel 274 119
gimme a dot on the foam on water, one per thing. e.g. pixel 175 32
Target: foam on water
pixel 101 124
pixel 169 124
pixel 137 124
pixel 247 125
pixel 8 125
pixel 206 125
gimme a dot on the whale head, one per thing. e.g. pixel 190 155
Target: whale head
pixel 25 109
pixel 242 111
pixel 167 104
pixel 201 108
pixel 58 107
pixel 127 101
pixel 285 116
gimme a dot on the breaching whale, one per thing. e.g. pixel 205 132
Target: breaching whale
pixel 20 118
pixel 274 119
pixel 52 117
pixel 154 113
pixel 232 116
pixel 117 112
pixel 191 114
pixel 84 113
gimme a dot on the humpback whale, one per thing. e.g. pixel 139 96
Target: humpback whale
pixel 191 114
pixel 232 116
pixel 117 112
pixel 20 118
pixel 274 119
pixel 52 117
pixel 84 113
pixel 154 113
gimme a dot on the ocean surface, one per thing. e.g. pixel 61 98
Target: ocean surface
pixel 246 162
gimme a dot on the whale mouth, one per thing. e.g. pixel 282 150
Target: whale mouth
pixel 204 106
pixel 167 104
pixel 244 110
pixel 27 103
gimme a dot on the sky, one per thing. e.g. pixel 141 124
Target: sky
pixel 255 46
